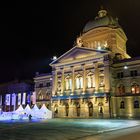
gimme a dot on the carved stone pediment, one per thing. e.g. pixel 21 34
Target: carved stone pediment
pixel 78 53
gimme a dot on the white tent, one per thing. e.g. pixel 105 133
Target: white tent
pixel 45 113
pixel 35 111
pixel 16 115
pixel 27 110
pixel 20 110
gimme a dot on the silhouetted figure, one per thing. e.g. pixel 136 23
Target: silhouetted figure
pixel 30 117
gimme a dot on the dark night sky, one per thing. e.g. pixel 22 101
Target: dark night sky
pixel 32 32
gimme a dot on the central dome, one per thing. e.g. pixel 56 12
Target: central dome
pixel 102 20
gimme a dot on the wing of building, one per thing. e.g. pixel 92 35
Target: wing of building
pixel 16 93
pixel 96 78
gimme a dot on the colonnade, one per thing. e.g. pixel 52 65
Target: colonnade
pixel 84 74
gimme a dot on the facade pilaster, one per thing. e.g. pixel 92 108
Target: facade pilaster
pixel 84 79
pixel 96 77
pixel 62 82
pixel 56 81
pixel 107 77
pixel 54 85
pixel 73 80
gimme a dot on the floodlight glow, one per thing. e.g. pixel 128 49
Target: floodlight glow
pixel 99 48
pixel 54 57
pixel 125 67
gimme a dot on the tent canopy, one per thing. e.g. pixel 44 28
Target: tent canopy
pixel 45 113
pixel 27 109
pixel 20 109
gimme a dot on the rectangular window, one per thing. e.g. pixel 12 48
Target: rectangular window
pixel 120 75
pixel 41 85
pixel 48 84
pixel 122 105
pixel 133 73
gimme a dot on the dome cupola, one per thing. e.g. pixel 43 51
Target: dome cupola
pixel 103 19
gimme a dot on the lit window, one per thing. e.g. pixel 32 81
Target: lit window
pixel 68 83
pixel 101 81
pixel 79 82
pixel 90 80
pixel 101 78
pixel 40 96
pixel 135 89
pixel 121 90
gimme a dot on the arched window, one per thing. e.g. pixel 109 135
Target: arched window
pixel 78 108
pixel 40 96
pixel 135 89
pixel 122 105
pixel 101 78
pixel 66 108
pixel 68 83
pixel 90 107
pixel 79 81
pixel 90 80
pixel 136 104
pixel 121 89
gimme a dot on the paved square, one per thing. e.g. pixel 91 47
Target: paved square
pixel 61 129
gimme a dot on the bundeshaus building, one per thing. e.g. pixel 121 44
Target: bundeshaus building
pixel 94 79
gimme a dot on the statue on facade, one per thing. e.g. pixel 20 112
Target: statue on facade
pixel 79 42
pixel 59 86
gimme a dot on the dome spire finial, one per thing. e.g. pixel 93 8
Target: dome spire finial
pixel 102 12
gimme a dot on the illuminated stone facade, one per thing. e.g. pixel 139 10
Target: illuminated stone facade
pixel 126 89
pixel 43 89
pixel 96 78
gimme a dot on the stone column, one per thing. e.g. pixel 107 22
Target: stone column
pixel 84 110
pixel 62 82
pixel 72 109
pixel 54 85
pixel 84 79
pixel 73 80
pixel 107 77
pixel 96 77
